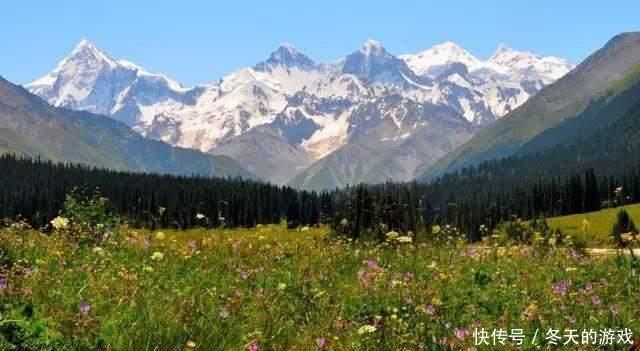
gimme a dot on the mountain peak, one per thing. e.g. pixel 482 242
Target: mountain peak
pixel 432 61
pixel 372 46
pixel 288 56
pixel 288 47
pixel 448 45
pixel 503 49
pixel 84 43
pixel 85 50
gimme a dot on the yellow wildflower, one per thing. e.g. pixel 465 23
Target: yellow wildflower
pixel 157 256
pixel 366 329
pixel 392 235
pixel 405 239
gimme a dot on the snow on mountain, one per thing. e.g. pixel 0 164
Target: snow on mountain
pixel 525 66
pixel 375 65
pixel 286 55
pixel 437 58
pixel 483 91
pixel 290 110
pixel 90 79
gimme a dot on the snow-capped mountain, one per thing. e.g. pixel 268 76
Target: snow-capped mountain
pixel 483 91
pixel 289 114
pixel 374 65
pixel 528 67
pixel 90 79
pixel 435 60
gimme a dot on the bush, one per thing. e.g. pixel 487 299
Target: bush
pixel 537 233
pixel 624 224
pixel 21 331
pixel 87 215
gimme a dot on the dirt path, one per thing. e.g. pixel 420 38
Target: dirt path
pixel 611 251
pixel 592 251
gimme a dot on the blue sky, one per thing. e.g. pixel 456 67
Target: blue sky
pixel 200 41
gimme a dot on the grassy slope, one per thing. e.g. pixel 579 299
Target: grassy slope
pixel 29 126
pixel 13 143
pixel 600 226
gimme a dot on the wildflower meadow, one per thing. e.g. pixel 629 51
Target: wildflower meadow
pixel 272 288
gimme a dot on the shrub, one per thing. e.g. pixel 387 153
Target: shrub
pixel 87 215
pixel 624 224
pixel 21 331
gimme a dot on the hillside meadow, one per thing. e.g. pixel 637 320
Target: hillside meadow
pixel 270 288
pixel 599 224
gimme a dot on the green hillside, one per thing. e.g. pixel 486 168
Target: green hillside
pixel 31 127
pixel 600 223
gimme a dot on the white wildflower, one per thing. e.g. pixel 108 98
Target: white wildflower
pixel 60 223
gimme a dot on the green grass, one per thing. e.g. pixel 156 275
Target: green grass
pixel 285 290
pixel 600 224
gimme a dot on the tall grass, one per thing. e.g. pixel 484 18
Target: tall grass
pixel 279 289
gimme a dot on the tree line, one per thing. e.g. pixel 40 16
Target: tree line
pixel 36 189
pixel 468 199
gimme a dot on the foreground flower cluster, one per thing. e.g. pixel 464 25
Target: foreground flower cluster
pixel 274 289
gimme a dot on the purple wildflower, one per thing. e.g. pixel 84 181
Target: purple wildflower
pixel 254 346
pixel 560 288
pixel 408 300
pixel 431 310
pixel 321 342
pixel 84 307
pixel 461 333
pixel 371 263
pixel 614 309
pixel 595 299
pixel 3 283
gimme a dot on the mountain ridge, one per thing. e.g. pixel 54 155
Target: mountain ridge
pixel 302 109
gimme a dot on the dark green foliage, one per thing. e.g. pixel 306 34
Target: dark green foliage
pixel 37 191
pixel 489 194
pixel 89 213
pixel 592 199
pixel 481 278
pixel 20 331
pixel 624 224
pixel 293 213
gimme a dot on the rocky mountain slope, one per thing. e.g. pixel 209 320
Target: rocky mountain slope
pixel 291 119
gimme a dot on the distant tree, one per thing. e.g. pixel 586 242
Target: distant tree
pixel 592 201
pixel 624 224
pixel 293 213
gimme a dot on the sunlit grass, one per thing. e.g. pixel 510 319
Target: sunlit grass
pixel 600 224
pixel 301 290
